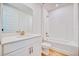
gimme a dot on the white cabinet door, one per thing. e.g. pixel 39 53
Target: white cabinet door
pixel 0 50
pixel 37 49
pixel 20 52
pixel 33 48
pixel 8 48
pixel 30 50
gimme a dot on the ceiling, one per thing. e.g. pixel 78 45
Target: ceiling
pixel 52 6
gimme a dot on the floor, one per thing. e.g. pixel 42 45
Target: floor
pixel 52 52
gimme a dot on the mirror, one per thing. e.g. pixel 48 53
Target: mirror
pixel 16 17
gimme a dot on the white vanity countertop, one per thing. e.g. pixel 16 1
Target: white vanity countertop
pixel 10 39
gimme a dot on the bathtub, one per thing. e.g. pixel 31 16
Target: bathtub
pixel 70 47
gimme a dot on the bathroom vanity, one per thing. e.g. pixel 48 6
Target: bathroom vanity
pixel 27 45
pixel 17 18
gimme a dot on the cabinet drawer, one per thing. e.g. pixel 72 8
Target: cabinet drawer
pixel 8 48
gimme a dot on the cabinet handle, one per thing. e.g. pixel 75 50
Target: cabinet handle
pixel 30 50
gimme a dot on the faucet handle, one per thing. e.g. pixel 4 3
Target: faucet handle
pixel 47 34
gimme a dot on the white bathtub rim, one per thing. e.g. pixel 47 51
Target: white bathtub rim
pixel 65 42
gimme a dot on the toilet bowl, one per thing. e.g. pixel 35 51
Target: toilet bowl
pixel 45 47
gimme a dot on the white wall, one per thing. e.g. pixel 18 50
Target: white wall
pixel 61 23
pixel 0 20
pixel 36 17
pixel 76 23
pixel 78 28
pixel 0 30
pixel 44 22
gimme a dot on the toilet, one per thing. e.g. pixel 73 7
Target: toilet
pixel 45 47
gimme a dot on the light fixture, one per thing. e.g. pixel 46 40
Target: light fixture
pixel 57 5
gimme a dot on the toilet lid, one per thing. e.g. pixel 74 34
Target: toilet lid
pixel 46 44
